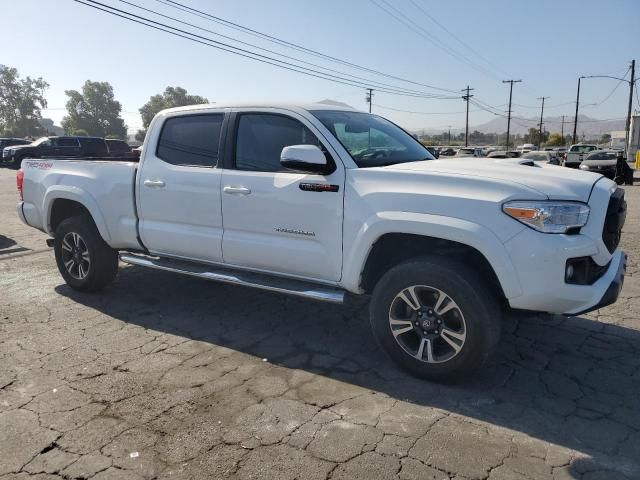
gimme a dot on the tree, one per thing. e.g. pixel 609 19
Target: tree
pixel 171 97
pixel 555 140
pixel 95 111
pixel 21 101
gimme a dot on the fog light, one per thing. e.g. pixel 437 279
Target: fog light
pixel 569 273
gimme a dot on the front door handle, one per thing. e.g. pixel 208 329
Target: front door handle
pixel 153 183
pixel 236 190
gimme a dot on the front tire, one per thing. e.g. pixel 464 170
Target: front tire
pixel 84 260
pixel 435 318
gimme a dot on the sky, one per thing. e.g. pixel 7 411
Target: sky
pixel 547 44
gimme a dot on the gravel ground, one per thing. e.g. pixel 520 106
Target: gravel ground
pixel 165 376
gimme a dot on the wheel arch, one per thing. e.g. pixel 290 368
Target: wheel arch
pixel 400 236
pixel 64 202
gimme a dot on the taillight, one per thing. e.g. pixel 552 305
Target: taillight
pixel 19 182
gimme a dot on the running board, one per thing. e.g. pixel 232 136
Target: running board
pixel 298 288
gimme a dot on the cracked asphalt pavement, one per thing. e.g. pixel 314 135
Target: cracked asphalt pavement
pixel 171 377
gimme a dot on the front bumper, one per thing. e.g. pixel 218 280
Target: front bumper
pixel 613 290
pixel 540 260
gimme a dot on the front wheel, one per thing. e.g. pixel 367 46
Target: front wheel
pixel 85 261
pixel 435 318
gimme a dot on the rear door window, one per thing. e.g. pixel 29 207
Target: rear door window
pixel 191 140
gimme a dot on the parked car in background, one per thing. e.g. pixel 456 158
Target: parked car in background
pixel 526 147
pixel 447 152
pixel 320 201
pixel 504 154
pixel 117 147
pixel 9 142
pixel 545 156
pixel 601 161
pixel 433 151
pixel 576 153
pixel 56 146
pixel 469 152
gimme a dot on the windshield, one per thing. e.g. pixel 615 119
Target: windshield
pixel 371 140
pixel 40 141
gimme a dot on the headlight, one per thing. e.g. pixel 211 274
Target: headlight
pixel 584 167
pixel 548 216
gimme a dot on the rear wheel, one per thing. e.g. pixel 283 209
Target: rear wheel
pixel 15 165
pixel 85 261
pixel 435 318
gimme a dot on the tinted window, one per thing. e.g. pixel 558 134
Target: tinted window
pixel 372 141
pixel 597 156
pixel 262 136
pixel 93 146
pixel 67 142
pixel 582 148
pixel 191 140
pixel 118 146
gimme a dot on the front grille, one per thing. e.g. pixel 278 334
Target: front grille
pixel 614 221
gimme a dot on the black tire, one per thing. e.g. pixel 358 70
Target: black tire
pixel 476 314
pixel 102 265
pixel 15 165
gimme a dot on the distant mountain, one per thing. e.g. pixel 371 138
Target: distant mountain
pixel 587 125
pixel 328 101
pixel 520 125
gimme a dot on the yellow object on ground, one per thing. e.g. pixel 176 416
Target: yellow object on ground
pixel 638 159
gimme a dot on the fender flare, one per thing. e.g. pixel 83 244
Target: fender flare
pixel 75 194
pixel 436 226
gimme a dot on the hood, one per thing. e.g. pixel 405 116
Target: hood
pixel 19 147
pixel 554 182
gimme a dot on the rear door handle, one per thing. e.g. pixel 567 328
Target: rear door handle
pixel 153 183
pixel 236 190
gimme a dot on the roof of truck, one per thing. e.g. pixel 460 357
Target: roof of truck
pixel 284 105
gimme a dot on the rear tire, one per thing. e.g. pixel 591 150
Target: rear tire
pixel 15 165
pixel 85 261
pixel 435 318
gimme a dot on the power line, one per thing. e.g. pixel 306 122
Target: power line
pixel 611 92
pixel 420 113
pixel 416 28
pixel 456 37
pixel 237 50
pixel 373 82
pixel 285 43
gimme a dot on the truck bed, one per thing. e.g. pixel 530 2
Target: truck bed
pixel 104 185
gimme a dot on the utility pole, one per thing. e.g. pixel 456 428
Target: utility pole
pixel 562 131
pixel 449 127
pixel 511 82
pixel 466 129
pixel 628 125
pixel 575 119
pixel 541 114
pixel 369 97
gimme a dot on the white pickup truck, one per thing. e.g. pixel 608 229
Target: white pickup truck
pixel 324 202
pixel 576 153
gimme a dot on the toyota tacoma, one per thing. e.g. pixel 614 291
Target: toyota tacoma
pixel 327 203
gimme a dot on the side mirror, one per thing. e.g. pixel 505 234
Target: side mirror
pixel 305 158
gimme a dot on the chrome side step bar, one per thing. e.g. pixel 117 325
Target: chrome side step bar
pixel 298 288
